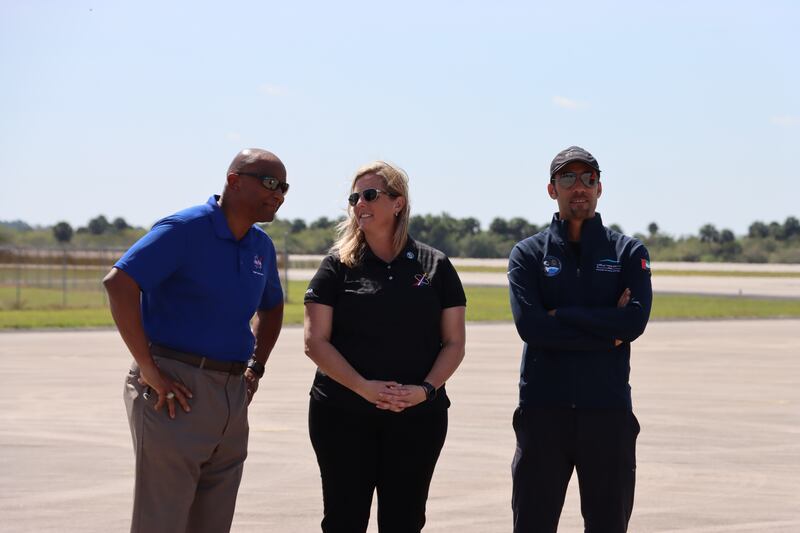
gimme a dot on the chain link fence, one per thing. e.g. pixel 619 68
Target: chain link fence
pixel 52 278
pixel 64 277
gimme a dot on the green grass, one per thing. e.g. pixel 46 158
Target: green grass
pixel 91 275
pixel 491 304
pixel 478 268
pixel 487 304
pixel 684 306
pixel 91 317
pixel 42 308
pixel 55 318
pixel 40 270
pixel 484 304
pixel 36 298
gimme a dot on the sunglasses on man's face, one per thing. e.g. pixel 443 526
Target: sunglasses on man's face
pixel 269 183
pixel 568 179
pixel 370 195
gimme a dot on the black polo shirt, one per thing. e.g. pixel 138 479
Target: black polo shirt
pixel 386 318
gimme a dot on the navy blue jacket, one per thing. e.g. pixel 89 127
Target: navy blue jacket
pixel 569 360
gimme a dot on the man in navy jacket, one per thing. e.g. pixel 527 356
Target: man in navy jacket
pixel 580 294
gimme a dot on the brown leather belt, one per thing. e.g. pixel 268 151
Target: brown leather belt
pixel 236 368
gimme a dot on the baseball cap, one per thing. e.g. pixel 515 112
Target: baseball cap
pixel 570 155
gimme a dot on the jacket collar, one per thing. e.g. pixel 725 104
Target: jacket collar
pixel 591 228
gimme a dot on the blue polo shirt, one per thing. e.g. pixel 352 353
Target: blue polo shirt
pixel 200 286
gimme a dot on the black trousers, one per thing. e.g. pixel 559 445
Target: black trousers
pixel 361 452
pixel 600 444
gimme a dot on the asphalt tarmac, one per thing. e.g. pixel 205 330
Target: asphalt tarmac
pixel 764 287
pixel 719 451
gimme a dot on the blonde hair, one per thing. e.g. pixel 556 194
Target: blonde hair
pixel 350 242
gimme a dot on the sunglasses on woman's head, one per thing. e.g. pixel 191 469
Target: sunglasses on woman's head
pixel 370 195
pixel 568 179
pixel 269 183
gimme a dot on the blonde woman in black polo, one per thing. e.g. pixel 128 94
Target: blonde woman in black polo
pixel 384 322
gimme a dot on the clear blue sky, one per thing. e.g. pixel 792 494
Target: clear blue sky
pixel 135 109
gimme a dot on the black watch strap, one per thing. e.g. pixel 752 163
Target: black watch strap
pixel 256 367
pixel 430 391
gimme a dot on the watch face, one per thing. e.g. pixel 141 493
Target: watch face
pixel 256 367
pixel 430 390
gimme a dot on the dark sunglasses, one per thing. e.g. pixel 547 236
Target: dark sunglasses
pixel 370 195
pixel 269 183
pixel 568 179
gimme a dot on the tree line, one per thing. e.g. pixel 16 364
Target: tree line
pixel 773 242
pixel 98 232
pixel 458 237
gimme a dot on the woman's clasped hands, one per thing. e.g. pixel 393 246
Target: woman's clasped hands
pixel 393 396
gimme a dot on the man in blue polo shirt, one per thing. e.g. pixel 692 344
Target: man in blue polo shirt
pixel 182 298
pixel 580 294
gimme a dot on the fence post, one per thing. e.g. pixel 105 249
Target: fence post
pixel 49 271
pixel 109 255
pixel 63 277
pixel 19 278
pixel 286 266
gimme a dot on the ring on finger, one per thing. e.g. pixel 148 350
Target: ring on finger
pixel 170 395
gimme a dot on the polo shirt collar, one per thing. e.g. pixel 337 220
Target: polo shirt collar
pixel 220 223
pixel 408 253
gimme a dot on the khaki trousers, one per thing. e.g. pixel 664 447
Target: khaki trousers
pixel 188 469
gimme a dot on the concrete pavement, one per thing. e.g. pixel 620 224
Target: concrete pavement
pixel 709 285
pixel 656 265
pixel 719 405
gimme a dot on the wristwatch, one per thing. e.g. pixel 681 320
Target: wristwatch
pixel 256 367
pixel 430 391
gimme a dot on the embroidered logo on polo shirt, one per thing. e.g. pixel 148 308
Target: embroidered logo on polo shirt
pixel 311 293
pixel 551 266
pixel 608 265
pixel 258 265
pixel 361 285
pixel 421 279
